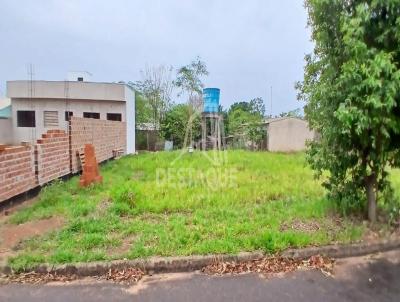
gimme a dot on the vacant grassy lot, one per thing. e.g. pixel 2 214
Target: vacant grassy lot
pixel 153 204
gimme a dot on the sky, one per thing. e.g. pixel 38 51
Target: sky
pixel 248 46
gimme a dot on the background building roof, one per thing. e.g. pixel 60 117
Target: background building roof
pixel 5 108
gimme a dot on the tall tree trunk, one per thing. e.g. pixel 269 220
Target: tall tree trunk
pixel 371 197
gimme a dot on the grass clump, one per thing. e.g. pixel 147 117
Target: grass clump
pixel 124 198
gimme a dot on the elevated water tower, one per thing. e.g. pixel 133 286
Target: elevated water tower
pixel 212 134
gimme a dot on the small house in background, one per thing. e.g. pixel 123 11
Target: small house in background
pixel 287 134
pixel 37 106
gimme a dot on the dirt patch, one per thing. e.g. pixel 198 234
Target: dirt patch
pixel 298 225
pixel 16 207
pixel 103 206
pixel 11 235
pixel 123 248
pixel 153 218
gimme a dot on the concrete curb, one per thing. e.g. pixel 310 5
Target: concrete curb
pixel 192 263
pixel 150 265
pixel 344 250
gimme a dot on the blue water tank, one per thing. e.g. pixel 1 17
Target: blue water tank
pixel 211 99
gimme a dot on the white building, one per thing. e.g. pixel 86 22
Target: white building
pixel 287 134
pixel 37 106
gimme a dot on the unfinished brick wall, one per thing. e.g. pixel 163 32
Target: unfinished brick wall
pixel 106 136
pixel 17 170
pixel 55 152
pixel 52 156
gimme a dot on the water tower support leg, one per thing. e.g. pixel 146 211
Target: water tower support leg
pixel 203 134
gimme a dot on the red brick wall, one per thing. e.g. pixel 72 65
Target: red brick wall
pixel 52 156
pixel 17 171
pixel 55 152
pixel 106 136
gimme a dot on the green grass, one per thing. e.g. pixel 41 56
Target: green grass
pixel 188 215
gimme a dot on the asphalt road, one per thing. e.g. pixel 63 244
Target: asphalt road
pixel 369 278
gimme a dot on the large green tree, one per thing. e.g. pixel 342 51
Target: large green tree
pixel 245 119
pixel 352 92
pixel 176 122
pixel 189 82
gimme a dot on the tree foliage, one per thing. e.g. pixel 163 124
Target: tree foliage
pixel 155 88
pixel 144 112
pixel 245 119
pixel 352 92
pixel 188 78
pixel 255 107
pixel 176 122
pixel 189 81
pixel 292 113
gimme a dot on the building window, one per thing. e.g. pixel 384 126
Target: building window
pixel 80 79
pixel 50 118
pixel 68 115
pixel 114 117
pixel 95 115
pixel 26 118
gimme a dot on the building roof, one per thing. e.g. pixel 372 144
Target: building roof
pixel 277 119
pixel 147 126
pixel 5 112
pixel 67 90
pixel 5 108
pixel 4 102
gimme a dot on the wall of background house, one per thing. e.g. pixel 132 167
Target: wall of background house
pixel 17 171
pixel 25 134
pixel 6 131
pixel 289 134
pixel 105 136
pixel 130 120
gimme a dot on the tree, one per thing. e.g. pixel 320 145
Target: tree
pixel 176 120
pixel 245 119
pixel 190 84
pixel 292 113
pixel 188 78
pixel 156 88
pixel 255 106
pixel 352 92
pixel 244 106
pixel 256 132
pixel 143 110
